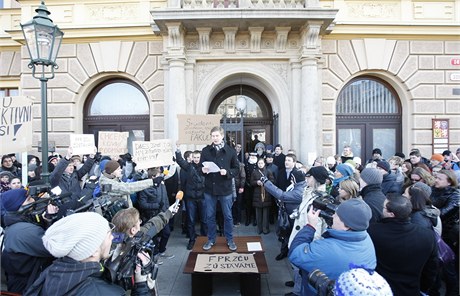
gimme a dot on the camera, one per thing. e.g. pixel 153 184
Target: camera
pixel 327 204
pixel 323 285
pixel 295 214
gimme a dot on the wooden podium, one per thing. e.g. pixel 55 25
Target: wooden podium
pixel 202 281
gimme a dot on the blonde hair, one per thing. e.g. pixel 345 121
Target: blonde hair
pixel 350 187
pixel 125 219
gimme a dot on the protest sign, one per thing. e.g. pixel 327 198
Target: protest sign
pixel 112 143
pixel 15 124
pixel 196 129
pixel 82 144
pixel 232 262
pixel 152 154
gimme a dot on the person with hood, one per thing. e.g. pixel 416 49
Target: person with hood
pixel 24 255
pixel 291 198
pixel 80 242
pixel 342 172
pixel 389 182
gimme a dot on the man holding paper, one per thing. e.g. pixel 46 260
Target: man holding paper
pixel 218 185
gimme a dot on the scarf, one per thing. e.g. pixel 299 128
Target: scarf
pixel 219 146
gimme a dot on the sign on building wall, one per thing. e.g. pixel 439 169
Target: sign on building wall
pixel 15 124
pixel 82 144
pixel 153 153
pixel 440 135
pixel 196 129
pixel 112 143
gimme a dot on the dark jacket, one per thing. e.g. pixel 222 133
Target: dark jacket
pixel 426 218
pixel 292 198
pixel 273 168
pixel 403 249
pixel 152 201
pixel 258 190
pixel 69 277
pixel 225 158
pixel 13 170
pixel 447 201
pixel 374 197
pixel 24 256
pixel 240 179
pixel 194 184
pixel 279 160
pixel 283 180
pixel 390 185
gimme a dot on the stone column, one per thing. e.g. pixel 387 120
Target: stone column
pixel 296 99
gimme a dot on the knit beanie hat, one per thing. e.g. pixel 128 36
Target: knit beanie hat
pixel 384 165
pixel 377 151
pixel 13 199
pixel 437 157
pixel 319 173
pixel 371 176
pixel 422 186
pixel 345 170
pixel 77 236
pixel 102 164
pixel 359 281
pixel 52 157
pixel 111 166
pixel 330 160
pixel 298 176
pixel 355 213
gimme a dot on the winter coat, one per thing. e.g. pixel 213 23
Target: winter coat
pixel 291 199
pixel 332 255
pixel 257 200
pixel 374 197
pixel 224 158
pixel 426 218
pixel 447 201
pixel 24 255
pixel 403 249
pixel 152 201
pixel 283 180
pixel 122 190
pixel 240 179
pixel 274 169
pixel 278 160
pixel 13 170
pixel 194 184
pixel 390 185
pixel 69 277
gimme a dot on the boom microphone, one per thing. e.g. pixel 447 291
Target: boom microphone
pixel 179 196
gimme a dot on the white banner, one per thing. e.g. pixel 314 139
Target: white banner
pixel 82 144
pixel 112 143
pixel 152 154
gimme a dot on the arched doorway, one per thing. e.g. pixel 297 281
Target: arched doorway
pixel 258 115
pixel 117 105
pixel 369 116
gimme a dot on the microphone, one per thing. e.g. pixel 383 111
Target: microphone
pixel 179 196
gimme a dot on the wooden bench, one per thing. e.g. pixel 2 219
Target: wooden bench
pixel 249 282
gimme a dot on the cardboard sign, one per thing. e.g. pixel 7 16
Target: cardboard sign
pixel 113 143
pixel 196 129
pixel 152 154
pixel 15 124
pixel 82 144
pixel 233 262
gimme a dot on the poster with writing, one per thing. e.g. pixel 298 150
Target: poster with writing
pixel 196 129
pixel 82 144
pixel 153 153
pixel 233 262
pixel 440 135
pixel 112 143
pixel 15 124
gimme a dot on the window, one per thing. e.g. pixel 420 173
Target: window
pixel 9 92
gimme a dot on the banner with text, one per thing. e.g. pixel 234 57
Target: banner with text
pixel 82 144
pixel 196 129
pixel 112 143
pixel 15 124
pixel 152 154
pixel 232 262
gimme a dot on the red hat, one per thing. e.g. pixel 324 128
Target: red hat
pixel 437 157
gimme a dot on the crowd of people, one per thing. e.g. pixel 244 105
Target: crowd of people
pixel 391 223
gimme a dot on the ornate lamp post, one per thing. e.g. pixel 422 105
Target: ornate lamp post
pixel 240 105
pixel 43 40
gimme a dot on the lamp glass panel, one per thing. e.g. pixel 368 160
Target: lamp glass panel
pixel 29 35
pixel 58 34
pixel 44 41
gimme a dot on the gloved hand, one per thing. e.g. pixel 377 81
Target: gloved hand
pixel 263 179
pixel 173 208
pixel 139 278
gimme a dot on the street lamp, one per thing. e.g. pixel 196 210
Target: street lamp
pixel 43 40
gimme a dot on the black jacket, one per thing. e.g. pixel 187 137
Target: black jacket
pixel 390 185
pixel 403 249
pixel 152 201
pixel 447 201
pixel 194 184
pixel 374 197
pixel 225 158
pixel 69 277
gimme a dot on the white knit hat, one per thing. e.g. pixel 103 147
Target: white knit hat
pixel 77 236
pixel 359 281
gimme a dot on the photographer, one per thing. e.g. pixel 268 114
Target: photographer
pixel 23 256
pixel 346 242
pixel 80 241
pixel 127 222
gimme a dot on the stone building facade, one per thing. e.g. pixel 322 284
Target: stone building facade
pixel 300 55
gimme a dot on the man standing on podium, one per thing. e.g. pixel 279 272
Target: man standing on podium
pixel 218 185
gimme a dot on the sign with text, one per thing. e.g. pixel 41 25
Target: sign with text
pixel 15 124
pixel 112 143
pixel 82 144
pixel 233 262
pixel 196 129
pixel 153 153
pixel 440 135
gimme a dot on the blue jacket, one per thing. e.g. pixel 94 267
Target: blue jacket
pixel 332 255
pixel 291 199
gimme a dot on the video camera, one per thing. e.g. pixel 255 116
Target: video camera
pixel 323 285
pixel 327 204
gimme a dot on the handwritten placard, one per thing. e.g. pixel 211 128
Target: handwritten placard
pixel 82 144
pixel 152 154
pixel 233 262
pixel 15 124
pixel 112 143
pixel 196 129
